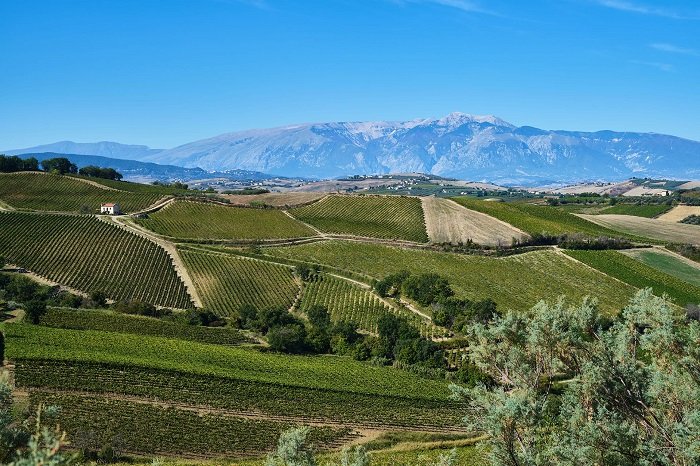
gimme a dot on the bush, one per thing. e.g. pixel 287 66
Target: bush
pixel 34 309
pixel 426 288
pixel 290 338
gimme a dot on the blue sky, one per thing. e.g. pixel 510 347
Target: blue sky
pixel 167 72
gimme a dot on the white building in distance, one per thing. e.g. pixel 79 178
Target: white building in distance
pixel 110 208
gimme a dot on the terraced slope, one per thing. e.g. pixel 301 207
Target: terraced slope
pixel 640 275
pixel 385 217
pixel 48 192
pixel 226 282
pixel 198 220
pixel 516 282
pixel 90 255
pixel 649 228
pixel 449 222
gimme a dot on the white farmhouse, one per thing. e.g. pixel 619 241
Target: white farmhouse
pixel 110 209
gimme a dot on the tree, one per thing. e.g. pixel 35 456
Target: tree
pixel 97 172
pixel 34 310
pixel 292 449
pixel 318 316
pixel 98 298
pixel 289 338
pixel 631 391
pixel 60 165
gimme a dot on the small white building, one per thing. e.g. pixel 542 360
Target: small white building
pixel 110 209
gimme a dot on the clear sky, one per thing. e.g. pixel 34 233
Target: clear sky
pixel 166 72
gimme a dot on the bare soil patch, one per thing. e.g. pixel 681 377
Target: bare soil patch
pixel 449 222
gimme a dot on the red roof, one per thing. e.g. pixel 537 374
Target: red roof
pixel 109 204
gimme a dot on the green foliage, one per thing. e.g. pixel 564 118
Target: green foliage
pixel 690 251
pixel 669 264
pixel 389 217
pixel 631 392
pixel 426 288
pixel 60 165
pixel 74 251
pixel 34 309
pixel 199 220
pixel 112 322
pixel 227 282
pixel 292 450
pixel 391 284
pixel 639 275
pixel 512 282
pixel 12 163
pixel 49 192
pixel 97 172
pixel 692 220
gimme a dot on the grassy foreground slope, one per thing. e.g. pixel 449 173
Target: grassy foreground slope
pixel 198 220
pixel 226 377
pixel 513 282
pixel 48 192
pixel 386 217
pixel 90 255
pixel 226 282
pixel 639 275
pixel 536 219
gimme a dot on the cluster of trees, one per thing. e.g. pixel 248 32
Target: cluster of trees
pixel 174 185
pixel 572 385
pixel 426 288
pixel 60 165
pixel 10 164
pixel 574 241
pixel 692 220
pixel 687 250
pixel 98 172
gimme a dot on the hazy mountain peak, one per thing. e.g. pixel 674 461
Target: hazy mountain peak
pixel 102 149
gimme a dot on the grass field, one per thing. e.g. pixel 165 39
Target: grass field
pixel 536 219
pixel 648 210
pixel 47 192
pixel 90 255
pixel 449 222
pixel 516 282
pixel 649 228
pixel 639 275
pixel 668 263
pixel 198 220
pixel 226 282
pixel 108 321
pixel 386 217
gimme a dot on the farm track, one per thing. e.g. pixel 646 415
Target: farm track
pixel 170 248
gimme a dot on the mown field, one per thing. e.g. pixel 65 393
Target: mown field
pixel 536 219
pixel 516 282
pixel 48 192
pixel 352 303
pixel 386 217
pixel 90 255
pixel 654 229
pixel 108 321
pixel 198 220
pixel 668 263
pixel 639 275
pixel 648 210
pixel 226 282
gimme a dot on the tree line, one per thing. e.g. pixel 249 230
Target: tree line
pixel 58 165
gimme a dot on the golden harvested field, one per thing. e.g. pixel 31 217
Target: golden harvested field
pixel 680 212
pixel 648 227
pixel 449 222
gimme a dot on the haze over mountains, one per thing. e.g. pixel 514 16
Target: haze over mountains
pixel 458 145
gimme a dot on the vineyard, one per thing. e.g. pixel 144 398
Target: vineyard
pixel 516 282
pixel 93 421
pixel 668 263
pixel 48 192
pixel 90 255
pixel 535 219
pixel 351 303
pixel 199 220
pixel 639 275
pixel 648 210
pixel 386 217
pixel 226 282
pixel 123 323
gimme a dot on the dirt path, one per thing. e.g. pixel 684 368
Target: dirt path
pixel 46 281
pixel 170 248
pixel 448 222
pixel 154 207
pixel 318 232
pixel 6 207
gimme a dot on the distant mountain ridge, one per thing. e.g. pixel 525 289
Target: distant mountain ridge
pixel 109 149
pixel 458 145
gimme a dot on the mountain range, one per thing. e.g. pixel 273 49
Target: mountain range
pixel 458 145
